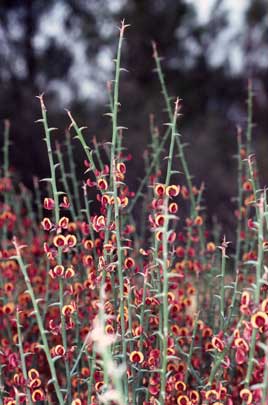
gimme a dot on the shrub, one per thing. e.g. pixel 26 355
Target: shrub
pixel 98 307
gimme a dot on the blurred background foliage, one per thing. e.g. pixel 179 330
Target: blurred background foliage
pixel 65 48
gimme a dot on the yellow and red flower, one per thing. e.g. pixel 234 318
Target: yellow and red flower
pixel 172 191
pixel 259 320
pixel 160 190
pixel 246 396
pixel 183 400
pixel 38 395
pixel 136 357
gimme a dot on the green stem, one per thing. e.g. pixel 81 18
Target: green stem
pixel 56 194
pixel 154 163
pixel 50 158
pixel 6 175
pixel 189 358
pixel 22 356
pixel 113 186
pixel 42 331
pixel 259 266
pixel 165 329
pixel 65 182
pixel 74 179
pixel 38 202
pixel 222 298
pixel 170 114
pixel 6 149
pixel 165 310
pixel 239 202
pixel 249 118
pixel 265 379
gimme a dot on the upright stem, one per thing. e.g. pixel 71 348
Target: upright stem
pixel 73 175
pixel 22 355
pixel 222 298
pixel 153 164
pixel 113 186
pixel 50 158
pixel 6 149
pixel 42 331
pixel 239 202
pixel 190 354
pixel 257 291
pixel 164 308
pixel 170 115
pixel 249 118
pixel 165 266
pixel 6 176
pixel 265 378
pixel 38 199
pixel 55 194
pixel 65 182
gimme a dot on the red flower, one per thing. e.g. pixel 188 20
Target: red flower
pixel 46 224
pixel 173 191
pixel 183 400
pixel 49 203
pixel 160 190
pixel 259 320
pixel 38 395
pixel 136 357
pixel 246 396
pixel 65 203
pixel 217 343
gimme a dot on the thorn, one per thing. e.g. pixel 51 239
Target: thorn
pixel 58 146
pixel 41 98
pixel 202 187
pixel 73 123
pixel 251 158
pixel 7 124
pixel 17 246
pixel 53 129
pixel 224 246
pixel 239 133
pixel 177 106
pixel 109 86
pixel 123 27
pixel 155 53
pixel 68 112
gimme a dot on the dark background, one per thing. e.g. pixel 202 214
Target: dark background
pixel 65 48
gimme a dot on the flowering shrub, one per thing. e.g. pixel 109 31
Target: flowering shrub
pixel 98 309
